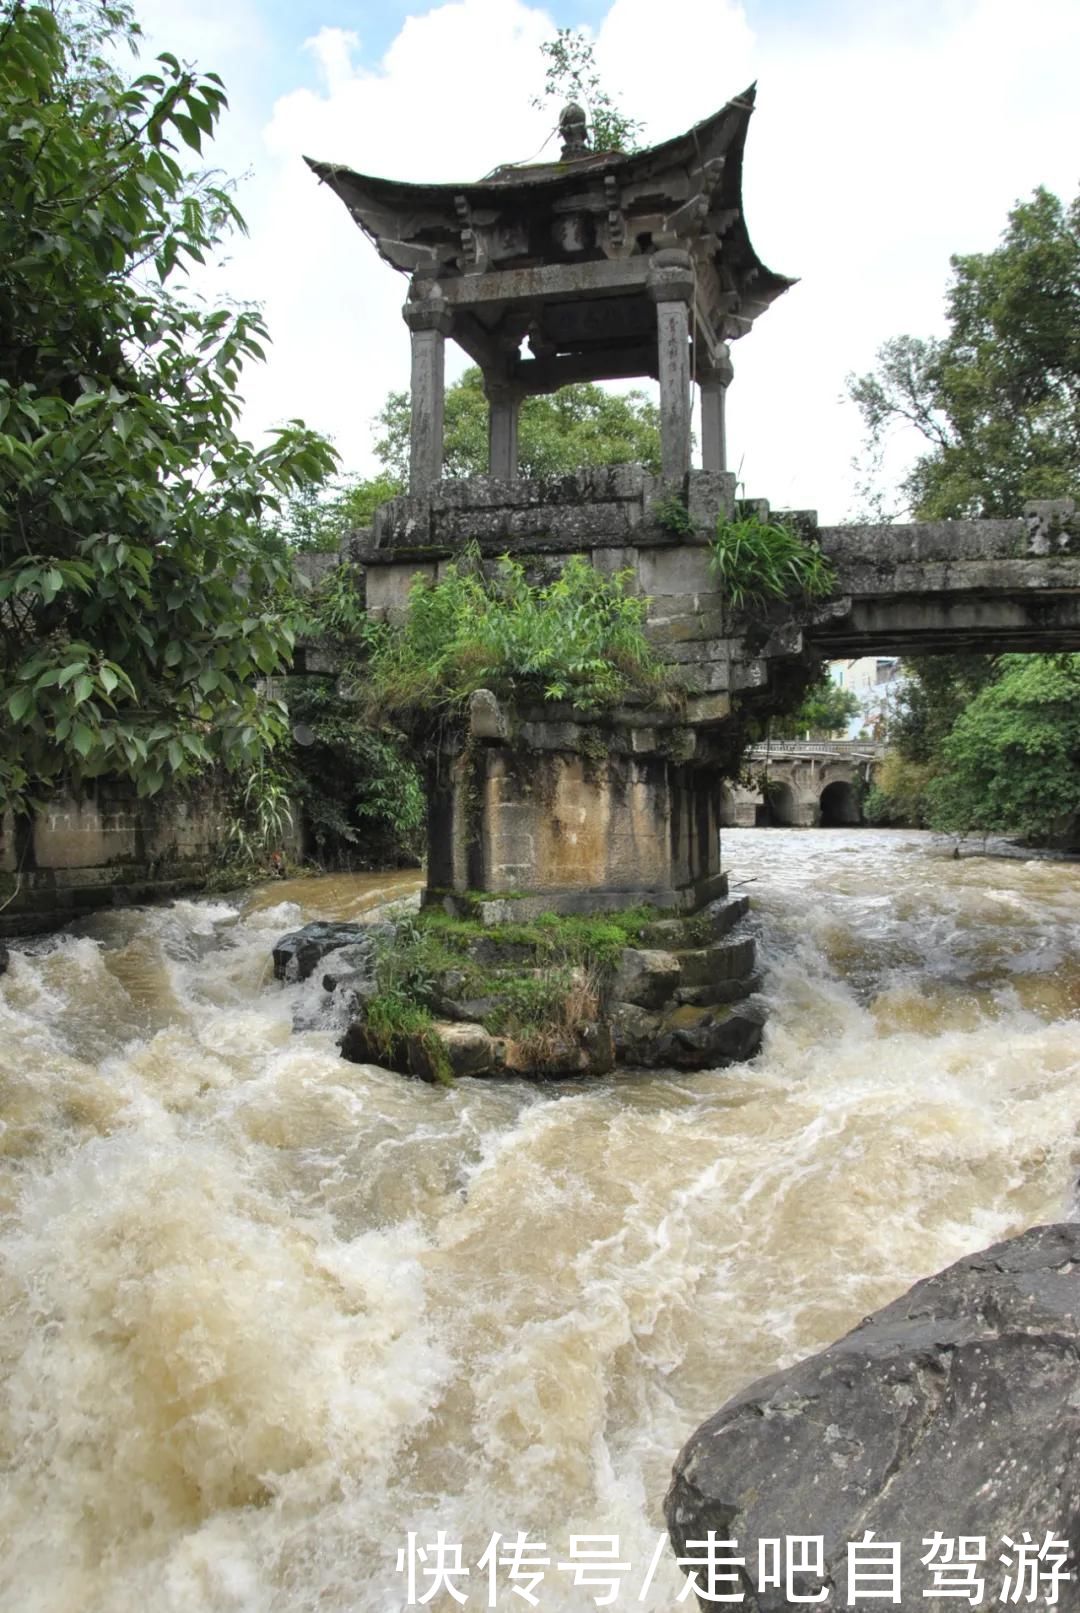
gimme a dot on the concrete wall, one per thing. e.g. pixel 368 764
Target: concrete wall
pixel 89 851
pixel 611 831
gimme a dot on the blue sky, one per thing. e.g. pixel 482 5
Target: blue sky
pixel 888 134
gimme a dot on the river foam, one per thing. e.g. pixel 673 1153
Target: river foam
pixel 264 1311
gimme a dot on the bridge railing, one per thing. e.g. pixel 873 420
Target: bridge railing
pixel 855 748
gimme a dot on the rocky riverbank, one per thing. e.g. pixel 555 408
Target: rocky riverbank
pixel 436 996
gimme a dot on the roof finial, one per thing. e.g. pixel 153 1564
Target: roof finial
pixel 575 132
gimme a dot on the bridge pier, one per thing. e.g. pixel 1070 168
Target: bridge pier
pixel 567 817
pixel 600 813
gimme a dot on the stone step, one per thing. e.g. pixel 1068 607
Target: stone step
pixel 720 991
pixel 724 960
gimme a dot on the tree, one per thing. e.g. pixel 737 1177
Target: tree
pixel 826 709
pixel 137 608
pixel 580 425
pixel 996 400
pixel 1013 756
pixel 997 404
pixel 571 75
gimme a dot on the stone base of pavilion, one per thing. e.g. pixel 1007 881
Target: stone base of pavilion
pixel 572 817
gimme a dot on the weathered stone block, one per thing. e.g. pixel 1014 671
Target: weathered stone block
pixel 724 960
pixel 646 978
pixel 388 589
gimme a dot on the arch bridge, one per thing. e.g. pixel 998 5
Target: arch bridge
pixel 801 783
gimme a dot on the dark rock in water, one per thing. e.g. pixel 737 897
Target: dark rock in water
pixel 686 1037
pixel 297 954
pixel 955 1410
pixel 4 958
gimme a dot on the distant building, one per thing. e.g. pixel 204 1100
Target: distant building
pixel 874 680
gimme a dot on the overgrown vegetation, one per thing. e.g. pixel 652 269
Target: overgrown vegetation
pixel 547 986
pixel 406 978
pixel 259 826
pixel 756 562
pixel 138 610
pixel 571 74
pixel 579 638
pixel 357 785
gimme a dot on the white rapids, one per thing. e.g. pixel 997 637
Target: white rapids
pixel 263 1312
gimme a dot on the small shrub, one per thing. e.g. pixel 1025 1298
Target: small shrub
pixel 670 513
pixel 755 562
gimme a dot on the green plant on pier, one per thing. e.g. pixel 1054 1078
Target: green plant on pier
pixel 755 562
pixel 579 638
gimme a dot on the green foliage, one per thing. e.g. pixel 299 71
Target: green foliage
pixel 406 968
pixel 936 689
pixel 137 608
pixel 997 400
pixel 1012 758
pixel 755 562
pixel 579 638
pixel 826 709
pixel 671 513
pixel 571 75
pixel 899 792
pixel 319 518
pixel 579 425
pixel 559 940
pixel 358 787
pixel 260 824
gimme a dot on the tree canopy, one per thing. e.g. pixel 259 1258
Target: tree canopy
pixel 997 399
pixel 137 607
pixel 988 744
pixel 579 425
pixel 1012 758
pixel 826 709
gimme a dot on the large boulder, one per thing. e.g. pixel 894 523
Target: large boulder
pixel 955 1410
pixel 298 954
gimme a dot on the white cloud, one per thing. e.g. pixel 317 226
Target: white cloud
pixel 872 156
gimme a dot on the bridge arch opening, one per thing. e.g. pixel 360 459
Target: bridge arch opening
pixel 728 816
pixel 839 805
pixel 778 809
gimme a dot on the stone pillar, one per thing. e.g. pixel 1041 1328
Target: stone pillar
pixel 504 407
pixel 429 320
pixel 671 287
pixel 714 380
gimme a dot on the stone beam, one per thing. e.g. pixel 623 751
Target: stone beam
pixel 554 282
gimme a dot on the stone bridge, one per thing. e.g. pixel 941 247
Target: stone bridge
pixel 529 806
pixel 801 783
pixel 605 265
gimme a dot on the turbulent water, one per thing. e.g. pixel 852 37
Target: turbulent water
pixel 263 1312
